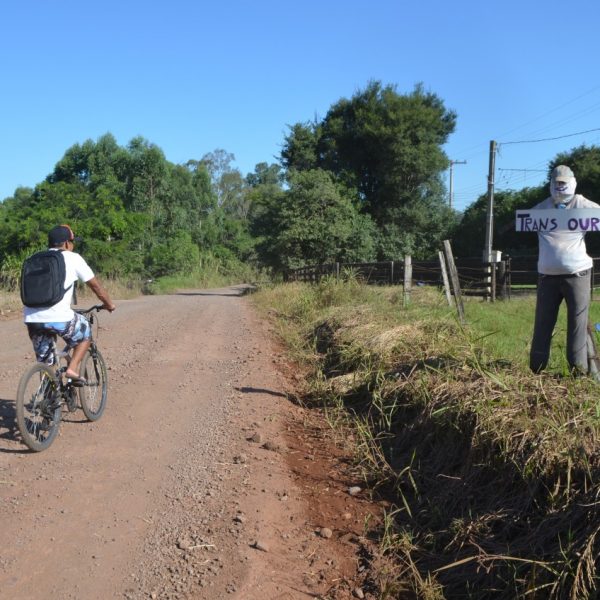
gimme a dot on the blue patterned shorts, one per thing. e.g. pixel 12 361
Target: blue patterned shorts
pixel 42 336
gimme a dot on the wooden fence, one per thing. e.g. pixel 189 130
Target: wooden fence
pixel 475 277
pixel 513 275
pixel 522 274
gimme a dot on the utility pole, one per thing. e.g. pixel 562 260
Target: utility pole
pixel 451 194
pixel 489 221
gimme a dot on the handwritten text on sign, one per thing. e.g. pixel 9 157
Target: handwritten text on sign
pixel 555 219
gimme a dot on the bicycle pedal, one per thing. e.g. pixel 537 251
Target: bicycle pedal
pixel 75 382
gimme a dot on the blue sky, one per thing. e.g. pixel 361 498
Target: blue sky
pixel 193 76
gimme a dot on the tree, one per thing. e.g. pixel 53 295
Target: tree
pixel 384 150
pixel 388 146
pixel 93 164
pixel 218 164
pixel 311 223
pixel 265 174
pixel 146 173
pixel 174 255
pixel 300 147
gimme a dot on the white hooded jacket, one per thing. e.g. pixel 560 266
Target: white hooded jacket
pixel 563 252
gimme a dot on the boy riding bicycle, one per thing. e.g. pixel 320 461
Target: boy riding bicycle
pixel 46 314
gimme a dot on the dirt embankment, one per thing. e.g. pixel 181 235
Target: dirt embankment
pixel 202 479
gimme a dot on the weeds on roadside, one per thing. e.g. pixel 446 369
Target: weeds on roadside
pixel 494 473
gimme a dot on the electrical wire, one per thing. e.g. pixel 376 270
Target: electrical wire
pixel 560 137
pixel 541 116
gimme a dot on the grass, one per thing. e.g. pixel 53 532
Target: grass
pixel 493 472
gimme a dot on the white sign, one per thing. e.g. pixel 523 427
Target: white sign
pixel 556 219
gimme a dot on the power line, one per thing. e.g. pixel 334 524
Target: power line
pixel 467 151
pixel 560 137
pixel 568 119
pixel 526 170
pixel 555 109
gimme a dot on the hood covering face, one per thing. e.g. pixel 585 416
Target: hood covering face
pixel 562 185
pixel 563 191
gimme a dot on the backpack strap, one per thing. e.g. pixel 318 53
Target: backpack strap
pixel 67 289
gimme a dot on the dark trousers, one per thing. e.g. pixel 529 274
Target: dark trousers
pixel 552 289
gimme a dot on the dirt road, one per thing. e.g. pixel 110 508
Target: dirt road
pixel 184 488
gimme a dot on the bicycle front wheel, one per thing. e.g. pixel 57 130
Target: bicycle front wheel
pixel 94 393
pixel 38 407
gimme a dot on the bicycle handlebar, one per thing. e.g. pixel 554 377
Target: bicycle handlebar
pixel 87 311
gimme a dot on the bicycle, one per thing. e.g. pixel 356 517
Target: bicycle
pixel 43 391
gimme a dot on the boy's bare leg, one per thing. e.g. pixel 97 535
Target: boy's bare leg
pixel 76 358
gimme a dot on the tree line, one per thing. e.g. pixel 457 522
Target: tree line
pixel 363 183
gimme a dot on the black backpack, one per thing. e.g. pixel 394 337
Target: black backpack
pixel 43 279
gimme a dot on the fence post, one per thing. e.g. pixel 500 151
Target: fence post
pixel 392 272
pixel 493 290
pixel 454 279
pixel 445 277
pixel 407 279
pixel 502 279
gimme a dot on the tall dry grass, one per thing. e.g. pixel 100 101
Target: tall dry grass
pixel 494 472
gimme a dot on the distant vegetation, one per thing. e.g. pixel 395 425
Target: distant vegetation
pixel 363 183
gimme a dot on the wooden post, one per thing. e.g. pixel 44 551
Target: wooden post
pixel 445 278
pixel 391 272
pixel 454 279
pixel 407 279
pixel 502 279
pixel 508 277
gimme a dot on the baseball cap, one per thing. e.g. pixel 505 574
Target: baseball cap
pixel 61 234
pixel 562 173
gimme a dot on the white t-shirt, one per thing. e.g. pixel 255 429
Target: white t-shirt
pixel 563 252
pixel 76 268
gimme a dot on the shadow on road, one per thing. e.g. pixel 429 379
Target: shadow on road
pixel 10 431
pixel 232 293
pixel 8 425
pixel 251 390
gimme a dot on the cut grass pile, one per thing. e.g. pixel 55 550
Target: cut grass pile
pixel 494 472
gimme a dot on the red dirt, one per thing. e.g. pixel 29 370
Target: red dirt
pixel 201 480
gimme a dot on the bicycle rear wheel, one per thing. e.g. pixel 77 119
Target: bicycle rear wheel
pixel 38 407
pixel 94 393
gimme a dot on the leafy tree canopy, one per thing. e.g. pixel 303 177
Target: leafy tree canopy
pixel 384 150
pixel 138 213
pixel 314 223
